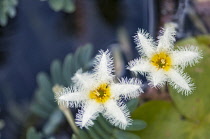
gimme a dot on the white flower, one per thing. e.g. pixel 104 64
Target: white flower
pixel 98 93
pixel 162 63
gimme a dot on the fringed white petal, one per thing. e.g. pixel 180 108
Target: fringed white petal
pixel 139 65
pixel 127 88
pixel 167 37
pixel 186 56
pixel 70 97
pixel 180 81
pixel 157 78
pixel 145 43
pixel 88 113
pixel 103 66
pixel 84 81
pixel 117 114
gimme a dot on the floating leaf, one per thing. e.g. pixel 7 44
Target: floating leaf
pixel 163 121
pixel 195 106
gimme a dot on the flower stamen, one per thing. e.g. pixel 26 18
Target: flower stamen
pixel 101 94
pixel 161 60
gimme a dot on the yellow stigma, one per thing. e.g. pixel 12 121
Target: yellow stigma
pixel 161 60
pixel 101 94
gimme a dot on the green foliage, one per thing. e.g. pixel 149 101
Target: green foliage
pixel 44 103
pixel 188 117
pixel 53 122
pixel 196 105
pixel 62 5
pixel 2 124
pixel 7 10
pixel 33 134
pixel 102 129
pixel 163 121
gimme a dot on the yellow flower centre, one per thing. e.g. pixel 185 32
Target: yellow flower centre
pixel 101 94
pixel 161 60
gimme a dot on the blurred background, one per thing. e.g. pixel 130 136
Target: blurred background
pixel 34 33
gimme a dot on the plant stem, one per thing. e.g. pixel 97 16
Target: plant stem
pixel 68 114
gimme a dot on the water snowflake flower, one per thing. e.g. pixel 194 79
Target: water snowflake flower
pixel 97 92
pixel 162 63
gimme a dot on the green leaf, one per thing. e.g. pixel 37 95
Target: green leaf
pixel 119 134
pixel 87 52
pixel 83 135
pixel 163 121
pixel 77 57
pixel 62 5
pixel 7 9
pixel 13 2
pixel 99 130
pixel 11 12
pixel 74 62
pixel 69 6
pixel 47 105
pixel 37 109
pixel 56 72
pixel 107 127
pixel 93 134
pixel 56 5
pixel 45 86
pixel 136 125
pixel 54 121
pixel 132 104
pixel 3 20
pixel 2 124
pixel 68 69
pixel 33 134
pixel 196 106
